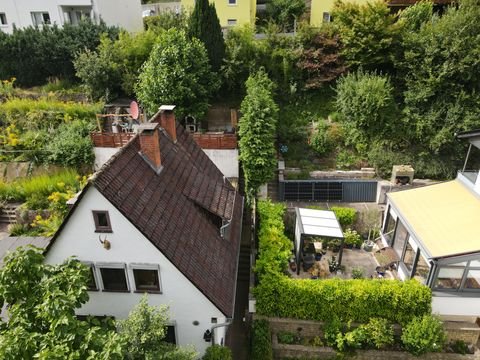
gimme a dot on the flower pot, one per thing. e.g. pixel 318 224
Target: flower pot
pixel 368 245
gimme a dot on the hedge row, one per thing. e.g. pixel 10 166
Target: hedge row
pixel 273 246
pixel 350 300
pixel 261 348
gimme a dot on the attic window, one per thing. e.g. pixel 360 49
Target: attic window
pixel 114 277
pixel 92 281
pixel 147 280
pixel 102 221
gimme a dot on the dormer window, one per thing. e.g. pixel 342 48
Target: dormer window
pixel 102 221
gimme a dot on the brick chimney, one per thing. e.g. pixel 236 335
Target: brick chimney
pixel 150 144
pixel 167 121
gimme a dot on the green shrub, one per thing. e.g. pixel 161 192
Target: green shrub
pixel 459 347
pixel 273 246
pixel 352 300
pixel 320 140
pixel 332 327
pixel 71 147
pixel 34 54
pixel 352 238
pixel 42 185
pixel 218 352
pixel 17 229
pixel 357 273
pixel 346 216
pixel 261 341
pixel 286 337
pixel 377 333
pixel 423 334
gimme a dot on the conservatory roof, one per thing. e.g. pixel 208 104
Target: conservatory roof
pixel 443 217
pixel 319 222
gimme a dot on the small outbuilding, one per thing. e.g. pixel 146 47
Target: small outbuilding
pixel 321 223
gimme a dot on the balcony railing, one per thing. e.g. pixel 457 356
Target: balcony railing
pixel 216 140
pixel 110 140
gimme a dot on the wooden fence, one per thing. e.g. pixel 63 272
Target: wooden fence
pixel 216 141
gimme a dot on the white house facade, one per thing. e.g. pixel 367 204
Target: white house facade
pixel 126 14
pixel 160 219
pixel 191 313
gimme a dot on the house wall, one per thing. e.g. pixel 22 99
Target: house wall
pixel 321 6
pixel 128 246
pixel 456 305
pixel 124 13
pixel 225 160
pixel 243 11
pixel 102 155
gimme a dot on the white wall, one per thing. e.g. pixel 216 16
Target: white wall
pixel 225 160
pixel 124 13
pixel 456 305
pixel 128 245
pixel 102 155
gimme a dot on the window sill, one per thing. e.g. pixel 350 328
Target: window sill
pixel 93 290
pixel 147 291
pixel 116 291
pixel 103 231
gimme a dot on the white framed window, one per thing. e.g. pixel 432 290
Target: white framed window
pixel 232 22
pixel 146 278
pixel 232 2
pixel 40 18
pixel 327 17
pixel 3 19
pixel 114 277
pixel 102 221
pixel 92 284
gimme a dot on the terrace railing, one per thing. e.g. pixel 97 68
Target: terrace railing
pixel 110 140
pixel 216 140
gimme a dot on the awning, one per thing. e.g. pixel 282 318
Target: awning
pixel 444 217
pixel 320 223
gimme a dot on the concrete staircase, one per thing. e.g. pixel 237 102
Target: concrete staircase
pixel 7 214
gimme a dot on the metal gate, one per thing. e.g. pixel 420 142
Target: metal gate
pixel 328 190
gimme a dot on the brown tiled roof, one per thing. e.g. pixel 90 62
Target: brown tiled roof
pixel 167 208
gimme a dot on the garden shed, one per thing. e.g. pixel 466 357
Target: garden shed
pixel 310 222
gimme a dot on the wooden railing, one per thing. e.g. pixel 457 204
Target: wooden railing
pixel 111 140
pixel 216 140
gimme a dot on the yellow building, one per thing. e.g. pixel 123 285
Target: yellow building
pixel 321 10
pixel 230 12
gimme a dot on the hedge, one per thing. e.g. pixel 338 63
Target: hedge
pixel 261 348
pixel 273 246
pixel 351 300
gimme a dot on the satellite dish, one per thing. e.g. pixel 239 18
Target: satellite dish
pixel 134 112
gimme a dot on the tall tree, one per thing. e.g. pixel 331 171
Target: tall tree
pixel 41 302
pixel 177 72
pixel 258 127
pixel 205 26
pixel 369 33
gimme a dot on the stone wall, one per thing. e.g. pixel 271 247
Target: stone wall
pixel 467 332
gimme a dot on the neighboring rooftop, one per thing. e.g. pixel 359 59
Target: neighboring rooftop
pixel 444 216
pixel 10 244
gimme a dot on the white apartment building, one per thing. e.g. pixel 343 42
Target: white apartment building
pixel 126 14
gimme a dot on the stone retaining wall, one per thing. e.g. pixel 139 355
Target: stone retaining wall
pixel 467 332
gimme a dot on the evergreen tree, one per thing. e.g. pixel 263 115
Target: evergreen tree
pixel 205 26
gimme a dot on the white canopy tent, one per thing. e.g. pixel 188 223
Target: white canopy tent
pixel 311 222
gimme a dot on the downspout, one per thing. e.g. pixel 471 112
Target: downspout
pixel 225 324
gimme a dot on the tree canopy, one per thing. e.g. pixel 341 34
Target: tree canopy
pixel 204 25
pixel 258 127
pixel 41 302
pixel 177 72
